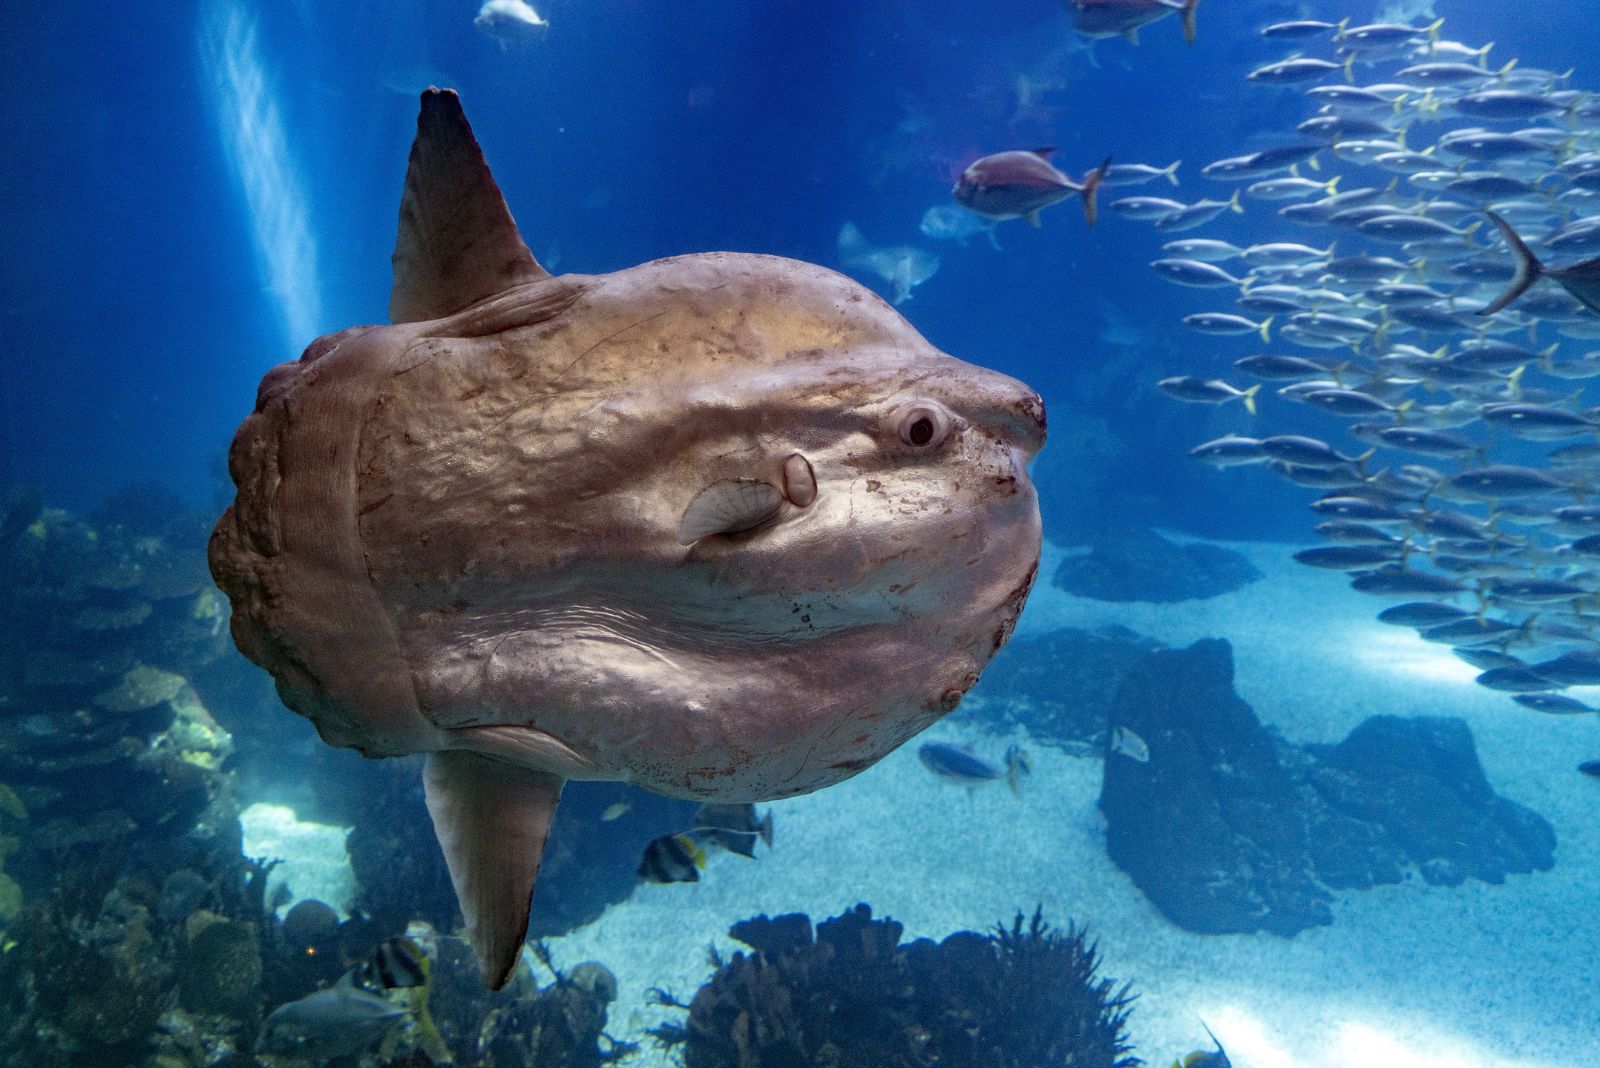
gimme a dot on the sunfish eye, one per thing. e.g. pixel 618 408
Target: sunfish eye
pixel 924 426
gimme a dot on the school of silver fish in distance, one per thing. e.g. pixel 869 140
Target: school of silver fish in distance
pixel 1433 189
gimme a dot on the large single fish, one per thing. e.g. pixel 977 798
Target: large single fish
pixel 724 526
pixel 1123 18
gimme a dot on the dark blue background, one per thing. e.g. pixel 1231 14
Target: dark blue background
pixel 134 322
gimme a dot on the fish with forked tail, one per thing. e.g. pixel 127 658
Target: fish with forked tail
pixel 960 765
pixel 1582 280
pixel 1019 185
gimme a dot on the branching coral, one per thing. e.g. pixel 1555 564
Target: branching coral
pixel 852 996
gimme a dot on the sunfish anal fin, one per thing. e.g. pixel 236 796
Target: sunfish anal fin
pixel 492 819
pixel 457 242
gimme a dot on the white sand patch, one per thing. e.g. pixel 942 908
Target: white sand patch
pixel 1407 976
pixel 312 861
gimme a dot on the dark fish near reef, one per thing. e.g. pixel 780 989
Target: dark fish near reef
pixel 1019 185
pixel 1124 18
pixel 673 858
pixel 336 1022
pixel 959 764
pixel 1590 767
pixel 706 525
pixel 400 964
pixel 1582 280
pixel 397 964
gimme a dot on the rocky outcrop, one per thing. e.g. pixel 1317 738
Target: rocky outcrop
pixel 1141 565
pixel 1228 828
pixel 1060 685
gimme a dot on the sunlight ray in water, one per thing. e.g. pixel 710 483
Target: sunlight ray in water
pixel 1397 651
pixel 251 126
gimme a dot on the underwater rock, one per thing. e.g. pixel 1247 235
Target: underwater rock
pixel 1061 685
pixel 1420 780
pixel 139 688
pixel 852 995
pixel 1228 828
pixel 1205 828
pixel 131 824
pixel 1141 565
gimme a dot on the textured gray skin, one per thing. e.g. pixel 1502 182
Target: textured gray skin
pixel 459 535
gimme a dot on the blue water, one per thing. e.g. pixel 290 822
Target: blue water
pixel 139 310
pixel 194 191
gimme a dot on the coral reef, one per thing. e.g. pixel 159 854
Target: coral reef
pixel 1141 565
pixel 131 823
pixel 561 1025
pixel 1229 828
pixel 851 995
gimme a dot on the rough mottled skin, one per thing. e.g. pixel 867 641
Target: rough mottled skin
pixel 459 534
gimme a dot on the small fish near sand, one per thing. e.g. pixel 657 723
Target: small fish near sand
pixel 1126 743
pixel 1019 185
pixel 960 765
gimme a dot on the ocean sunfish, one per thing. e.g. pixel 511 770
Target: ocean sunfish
pixel 723 526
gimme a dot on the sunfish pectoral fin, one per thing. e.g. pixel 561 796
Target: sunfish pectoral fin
pixel 457 242
pixel 728 507
pixel 492 819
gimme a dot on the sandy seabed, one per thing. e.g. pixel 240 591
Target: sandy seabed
pixel 1474 976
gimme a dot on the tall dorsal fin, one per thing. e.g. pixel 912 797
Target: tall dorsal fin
pixel 457 241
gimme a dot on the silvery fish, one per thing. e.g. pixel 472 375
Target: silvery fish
pixel 338 1021
pixel 723 526
pixel 902 267
pixel 1125 742
pixel 952 222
